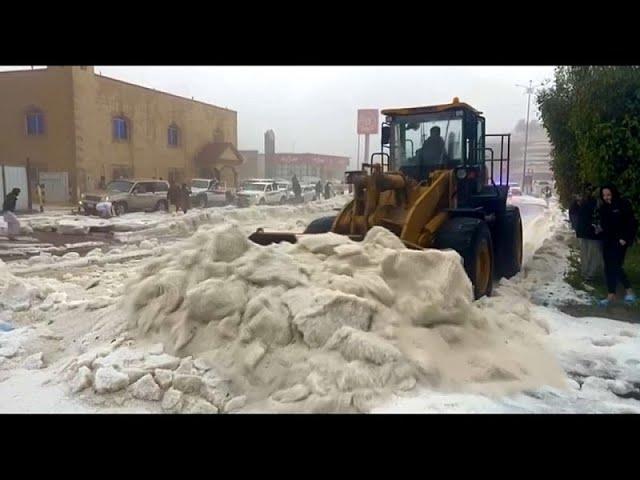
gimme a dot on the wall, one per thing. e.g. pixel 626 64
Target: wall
pixel 50 90
pixel 253 166
pixel 149 113
pixel 79 106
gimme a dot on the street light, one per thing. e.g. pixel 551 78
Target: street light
pixel 528 90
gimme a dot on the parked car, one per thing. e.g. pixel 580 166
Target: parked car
pixel 286 187
pixel 260 193
pixel 308 194
pixel 217 193
pixel 515 192
pixel 128 195
pixel 199 185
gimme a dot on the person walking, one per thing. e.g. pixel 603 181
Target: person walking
pixel 173 197
pixel 618 228
pixel 582 213
pixel 319 190
pixel 327 190
pixel 297 190
pixel 8 210
pixel 185 198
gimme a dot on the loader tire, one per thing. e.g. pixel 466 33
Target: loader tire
pixel 320 225
pixel 471 238
pixel 509 243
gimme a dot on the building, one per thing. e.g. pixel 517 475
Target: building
pixel 285 165
pixel 74 130
pixel 325 167
pixel 253 165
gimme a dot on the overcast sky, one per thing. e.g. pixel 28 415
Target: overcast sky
pixel 314 109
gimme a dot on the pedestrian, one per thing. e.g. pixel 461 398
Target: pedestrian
pixel 185 198
pixel 319 190
pixel 327 190
pixel 297 190
pixel 582 216
pixel 8 210
pixel 618 228
pixel 105 209
pixel 547 194
pixel 173 197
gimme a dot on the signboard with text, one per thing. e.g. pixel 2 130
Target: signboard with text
pixel 368 122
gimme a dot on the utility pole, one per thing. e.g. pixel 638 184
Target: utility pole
pixel 529 91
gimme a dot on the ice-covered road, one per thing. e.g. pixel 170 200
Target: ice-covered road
pixel 600 356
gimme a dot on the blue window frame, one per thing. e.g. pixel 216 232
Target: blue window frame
pixel 172 136
pixel 120 129
pixel 35 123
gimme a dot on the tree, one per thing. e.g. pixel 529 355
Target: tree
pixel 592 116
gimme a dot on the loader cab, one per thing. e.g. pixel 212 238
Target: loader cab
pixel 425 139
pixel 445 137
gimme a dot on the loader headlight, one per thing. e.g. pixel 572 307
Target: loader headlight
pixel 461 173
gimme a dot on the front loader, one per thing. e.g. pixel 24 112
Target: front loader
pixel 434 191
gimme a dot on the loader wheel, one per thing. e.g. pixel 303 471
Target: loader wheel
pixel 471 238
pixel 509 243
pixel 320 225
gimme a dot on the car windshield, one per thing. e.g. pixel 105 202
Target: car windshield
pixel 199 183
pixel 256 187
pixel 119 186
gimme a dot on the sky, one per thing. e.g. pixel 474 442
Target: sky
pixel 314 108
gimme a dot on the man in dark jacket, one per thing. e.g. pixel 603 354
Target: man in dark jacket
pixel 297 190
pixel 173 197
pixel 319 190
pixel 185 198
pixel 327 190
pixel 618 232
pixel 581 215
pixel 8 210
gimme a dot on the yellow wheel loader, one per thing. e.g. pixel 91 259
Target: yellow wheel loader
pixel 434 187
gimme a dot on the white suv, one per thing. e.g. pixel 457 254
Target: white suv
pixel 260 193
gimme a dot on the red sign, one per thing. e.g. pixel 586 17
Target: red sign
pixel 368 122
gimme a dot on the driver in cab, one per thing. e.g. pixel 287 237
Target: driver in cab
pixel 432 155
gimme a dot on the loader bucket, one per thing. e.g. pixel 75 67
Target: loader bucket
pixel 267 238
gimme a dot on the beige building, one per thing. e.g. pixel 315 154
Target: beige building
pixel 75 130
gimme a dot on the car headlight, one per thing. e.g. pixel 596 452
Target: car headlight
pixel 106 199
pixel 461 173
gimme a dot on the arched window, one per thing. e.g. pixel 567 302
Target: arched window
pixel 120 128
pixel 35 122
pixel 173 135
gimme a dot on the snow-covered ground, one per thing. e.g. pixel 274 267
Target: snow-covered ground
pixel 66 306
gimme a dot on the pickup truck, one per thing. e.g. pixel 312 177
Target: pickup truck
pixel 209 192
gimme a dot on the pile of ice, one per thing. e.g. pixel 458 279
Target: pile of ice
pixel 326 324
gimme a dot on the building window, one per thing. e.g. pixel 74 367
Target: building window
pixel 35 123
pixel 172 136
pixel 120 128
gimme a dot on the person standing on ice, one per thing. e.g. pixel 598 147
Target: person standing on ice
pixel 581 215
pixel 327 190
pixel 173 197
pixel 185 198
pixel 618 232
pixel 319 190
pixel 297 190
pixel 8 209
